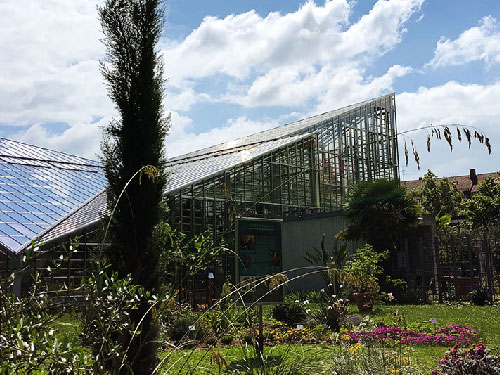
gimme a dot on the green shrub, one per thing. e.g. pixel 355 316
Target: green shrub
pixel 226 340
pixel 248 338
pixel 480 297
pixel 181 328
pixel 289 313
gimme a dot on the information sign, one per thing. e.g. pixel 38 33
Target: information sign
pixel 259 256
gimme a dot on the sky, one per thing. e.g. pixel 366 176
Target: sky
pixel 238 67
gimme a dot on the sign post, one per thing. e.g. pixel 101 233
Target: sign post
pixel 258 258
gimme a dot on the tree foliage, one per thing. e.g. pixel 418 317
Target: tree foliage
pixel 439 197
pixel 379 212
pixel 483 210
pixel 134 142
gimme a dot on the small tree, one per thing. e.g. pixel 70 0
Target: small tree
pixel 483 210
pixel 379 212
pixel 134 143
pixel 439 197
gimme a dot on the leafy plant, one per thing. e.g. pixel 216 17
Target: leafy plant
pixel 359 359
pixel 362 271
pixel 290 313
pixel 331 261
pixel 480 297
pixel 336 313
pixel 483 210
pixel 28 341
pixel 439 197
pixel 379 212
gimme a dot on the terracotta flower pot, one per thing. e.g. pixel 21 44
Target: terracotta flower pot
pixel 364 301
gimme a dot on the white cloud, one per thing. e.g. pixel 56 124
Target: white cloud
pixel 479 43
pixel 451 103
pixel 49 62
pixel 50 51
pixel 244 45
pixel 183 140
pixel 349 86
pixel 81 139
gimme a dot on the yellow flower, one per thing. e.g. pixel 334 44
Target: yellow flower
pixel 395 371
pixel 353 349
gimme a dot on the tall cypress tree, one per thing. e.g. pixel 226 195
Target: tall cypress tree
pixel 134 74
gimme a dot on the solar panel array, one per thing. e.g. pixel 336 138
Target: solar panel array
pixel 40 187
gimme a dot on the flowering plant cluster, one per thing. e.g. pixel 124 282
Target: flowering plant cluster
pixel 335 313
pixel 478 360
pixel 452 334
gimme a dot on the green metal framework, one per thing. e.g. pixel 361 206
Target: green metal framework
pixel 310 174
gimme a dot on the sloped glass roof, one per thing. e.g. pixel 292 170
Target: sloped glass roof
pixel 39 187
pixel 186 173
pixel 287 130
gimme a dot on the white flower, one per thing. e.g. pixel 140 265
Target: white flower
pixel 308 311
pixel 330 307
pixel 51 332
pixel 70 247
pixel 296 301
pixel 323 290
pixel 61 257
pixel 49 269
pixel 36 248
pixel 306 302
pixel 18 353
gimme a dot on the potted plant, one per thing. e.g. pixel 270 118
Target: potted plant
pixel 361 274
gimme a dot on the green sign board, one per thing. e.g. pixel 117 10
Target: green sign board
pixel 259 256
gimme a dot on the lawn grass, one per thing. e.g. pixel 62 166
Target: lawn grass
pixel 289 359
pixel 315 359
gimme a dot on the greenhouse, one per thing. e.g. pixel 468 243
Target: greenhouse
pixel 300 168
pixel 291 171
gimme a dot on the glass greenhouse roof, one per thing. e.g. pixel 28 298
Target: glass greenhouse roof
pixel 294 128
pixel 183 174
pixel 39 188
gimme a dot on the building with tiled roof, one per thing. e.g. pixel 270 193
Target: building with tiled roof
pixel 467 184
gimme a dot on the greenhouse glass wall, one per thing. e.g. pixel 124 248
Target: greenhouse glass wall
pixel 292 170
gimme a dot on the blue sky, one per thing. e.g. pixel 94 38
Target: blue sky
pixel 236 67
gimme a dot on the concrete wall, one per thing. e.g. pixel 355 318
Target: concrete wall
pixel 302 235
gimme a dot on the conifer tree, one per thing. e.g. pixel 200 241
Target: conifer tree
pixel 133 142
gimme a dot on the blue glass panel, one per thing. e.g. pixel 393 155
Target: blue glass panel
pixel 7 229
pixel 24 230
pixel 32 218
pixel 9 242
pixel 17 218
pixel 36 228
pixel 11 206
pixel 5 218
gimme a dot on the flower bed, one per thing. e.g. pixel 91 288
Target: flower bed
pixel 477 360
pixel 449 335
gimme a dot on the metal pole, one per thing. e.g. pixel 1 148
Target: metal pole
pixel 260 342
